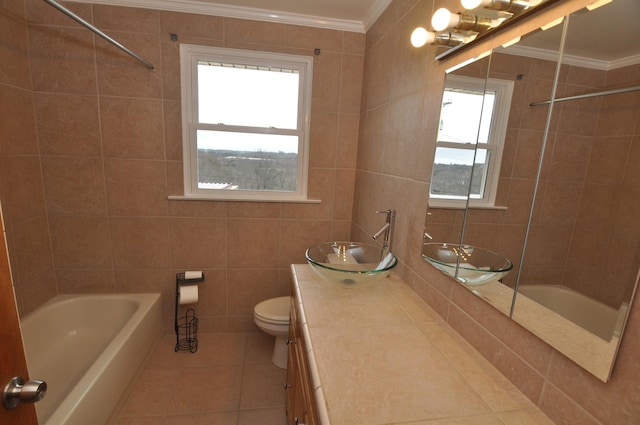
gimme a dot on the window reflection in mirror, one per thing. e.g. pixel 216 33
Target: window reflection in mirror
pixel 500 225
pixel 471 134
pixel 466 171
pixel 503 230
pixel 444 224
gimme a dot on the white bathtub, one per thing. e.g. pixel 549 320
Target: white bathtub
pixel 594 316
pixel 88 348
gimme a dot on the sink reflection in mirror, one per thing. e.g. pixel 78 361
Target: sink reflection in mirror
pixel 467 264
pixel 568 192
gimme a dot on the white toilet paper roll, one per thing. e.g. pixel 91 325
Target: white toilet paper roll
pixel 193 274
pixel 188 294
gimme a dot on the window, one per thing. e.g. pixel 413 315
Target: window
pixel 471 133
pixel 245 120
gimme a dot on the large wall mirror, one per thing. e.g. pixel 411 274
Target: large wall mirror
pixel 536 209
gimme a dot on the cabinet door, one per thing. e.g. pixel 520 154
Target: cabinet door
pixel 300 404
pixel 295 394
pixel 290 385
pixel 299 407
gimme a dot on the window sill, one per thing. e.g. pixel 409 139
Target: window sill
pixel 222 199
pixel 460 206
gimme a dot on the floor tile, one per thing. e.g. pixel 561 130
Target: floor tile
pixel 217 418
pixel 262 386
pixel 274 416
pixel 206 389
pixel 230 380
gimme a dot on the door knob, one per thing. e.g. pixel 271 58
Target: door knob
pixel 17 390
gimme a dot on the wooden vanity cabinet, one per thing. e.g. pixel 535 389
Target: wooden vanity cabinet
pixel 300 402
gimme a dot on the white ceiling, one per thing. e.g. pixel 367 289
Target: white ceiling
pixel 605 38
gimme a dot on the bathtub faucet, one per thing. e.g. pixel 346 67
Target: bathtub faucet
pixel 386 228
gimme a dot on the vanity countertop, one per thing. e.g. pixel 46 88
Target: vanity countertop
pixel 379 354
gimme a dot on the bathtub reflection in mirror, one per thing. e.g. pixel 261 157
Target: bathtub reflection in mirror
pixel 584 242
pixel 569 188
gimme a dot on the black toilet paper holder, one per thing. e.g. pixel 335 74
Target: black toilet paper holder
pixel 186 327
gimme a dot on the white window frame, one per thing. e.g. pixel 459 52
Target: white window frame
pixel 503 90
pixel 189 56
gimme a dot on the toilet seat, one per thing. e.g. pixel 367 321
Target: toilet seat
pixel 274 310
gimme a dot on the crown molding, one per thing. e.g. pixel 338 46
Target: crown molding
pixel 229 11
pixel 628 61
pixel 579 61
pixel 374 13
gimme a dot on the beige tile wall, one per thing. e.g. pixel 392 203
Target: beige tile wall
pixel 94 149
pixel 23 203
pixel 140 245
pixel 564 391
pixel 589 189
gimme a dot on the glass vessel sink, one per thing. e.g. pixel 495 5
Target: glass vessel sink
pixel 350 262
pixel 476 265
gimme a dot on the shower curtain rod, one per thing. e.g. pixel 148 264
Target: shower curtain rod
pixel 100 33
pixel 583 96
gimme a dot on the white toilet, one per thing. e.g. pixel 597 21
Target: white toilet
pixel 272 317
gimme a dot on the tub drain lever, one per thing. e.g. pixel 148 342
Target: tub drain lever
pixel 17 390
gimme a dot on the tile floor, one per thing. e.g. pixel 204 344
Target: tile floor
pixel 230 380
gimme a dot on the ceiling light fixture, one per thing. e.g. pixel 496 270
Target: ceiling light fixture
pixel 420 37
pixel 478 17
pixel 444 19
pixel 511 6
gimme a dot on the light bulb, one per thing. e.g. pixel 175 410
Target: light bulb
pixel 443 19
pixel 472 4
pixel 420 37
pixel 511 6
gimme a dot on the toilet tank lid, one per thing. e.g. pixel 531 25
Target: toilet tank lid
pixel 274 309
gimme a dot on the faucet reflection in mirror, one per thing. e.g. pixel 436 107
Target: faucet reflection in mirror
pixel 386 229
pixel 477 17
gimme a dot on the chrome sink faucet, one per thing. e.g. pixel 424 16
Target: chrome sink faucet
pixel 386 229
